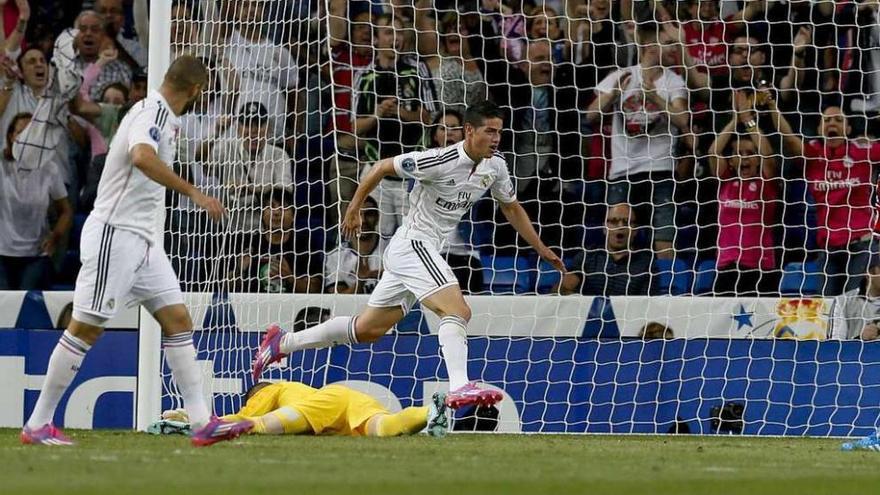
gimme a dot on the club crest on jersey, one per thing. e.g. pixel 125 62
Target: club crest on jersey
pixel 485 181
pixel 408 164
pixel 154 134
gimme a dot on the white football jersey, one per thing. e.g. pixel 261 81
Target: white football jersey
pixel 447 184
pixel 127 199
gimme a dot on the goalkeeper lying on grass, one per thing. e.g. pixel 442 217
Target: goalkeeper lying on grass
pixel 290 408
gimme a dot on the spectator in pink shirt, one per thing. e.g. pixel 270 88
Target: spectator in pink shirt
pixel 839 176
pixel 744 161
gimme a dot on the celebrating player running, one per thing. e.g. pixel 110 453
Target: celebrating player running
pixel 448 181
pixel 120 260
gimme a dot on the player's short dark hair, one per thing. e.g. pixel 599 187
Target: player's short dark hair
pixel 186 72
pixel 477 113
pixel 254 389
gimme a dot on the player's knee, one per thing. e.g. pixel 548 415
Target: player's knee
pixel 177 324
pixel 85 332
pixel 462 311
pixel 369 332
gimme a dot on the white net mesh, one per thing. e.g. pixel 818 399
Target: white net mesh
pixel 705 169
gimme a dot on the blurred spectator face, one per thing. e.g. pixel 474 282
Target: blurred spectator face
pixel 833 124
pixel 361 31
pixel 34 68
pixel 599 9
pixel 248 13
pixel 618 227
pixel 91 36
pixel 538 28
pixel 371 216
pixel 276 216
pixel 704 10
pixel 384 34
pixel 484 140
pixel 113 14
pixel 745 158
pixel 138 91
pixel 183 31
pixel 253 134
pixel 540 69
pixel 449 131
pixel 114 96
pixel 744 56
pixel 452 44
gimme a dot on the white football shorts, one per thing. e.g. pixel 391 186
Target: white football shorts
pixel 412 271
pixel 120 267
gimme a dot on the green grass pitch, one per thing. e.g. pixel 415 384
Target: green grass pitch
pixel 116 462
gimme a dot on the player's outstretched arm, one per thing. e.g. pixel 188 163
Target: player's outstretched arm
pixel 351 223
pixel 517 216
pixel 144 157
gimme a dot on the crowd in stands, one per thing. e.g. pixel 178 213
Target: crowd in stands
pixel 663 147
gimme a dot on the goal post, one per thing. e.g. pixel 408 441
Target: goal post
pixel 148 397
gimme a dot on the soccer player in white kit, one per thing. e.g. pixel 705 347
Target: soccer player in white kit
pixel 448 182
pixel 121 263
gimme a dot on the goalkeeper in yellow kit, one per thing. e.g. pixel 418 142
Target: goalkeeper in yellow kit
pixel 290 408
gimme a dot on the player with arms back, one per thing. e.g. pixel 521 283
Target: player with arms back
pixel 448 181
pixel 120 260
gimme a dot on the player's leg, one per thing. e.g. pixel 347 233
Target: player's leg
pixel 409 421
pixel 455 314
pixel 158 289
pixel 107 272
pixel 282 421
pixel 388 304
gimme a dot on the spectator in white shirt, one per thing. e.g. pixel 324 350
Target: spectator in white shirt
pixel 91 40
pixel 648 103
pixel 251 168
pixel 113 12
pixel 356 265
pixel 26 195
pixel 22 85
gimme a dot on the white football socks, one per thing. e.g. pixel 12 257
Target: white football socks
pixel 335 331
pixel 180 353
pixel 63 366
pixel 452 335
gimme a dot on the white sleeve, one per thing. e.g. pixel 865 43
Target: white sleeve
pixel 503 189
pixel 677 88
pixel 607 85
pixel 145 128
pixel 422 166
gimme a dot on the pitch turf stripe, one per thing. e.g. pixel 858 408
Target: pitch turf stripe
pixel 102 252
pixel 106 268
pixel 422 253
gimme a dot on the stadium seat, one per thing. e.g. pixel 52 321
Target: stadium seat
pixel 33 313
pixel 800 279
pixel 705 277
pixel 506 274
pixel 672 277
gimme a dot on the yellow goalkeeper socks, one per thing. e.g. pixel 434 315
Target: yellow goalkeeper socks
pixel 410 420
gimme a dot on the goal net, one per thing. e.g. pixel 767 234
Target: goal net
pixel 705 170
